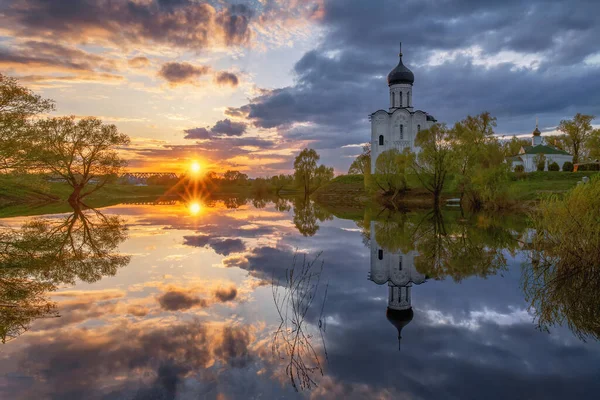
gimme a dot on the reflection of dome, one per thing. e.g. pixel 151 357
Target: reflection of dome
pixel 400 74
pixel 399 318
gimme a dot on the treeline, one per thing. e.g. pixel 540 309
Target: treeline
pixel 82 153
pixel 308 176
pixel 468 156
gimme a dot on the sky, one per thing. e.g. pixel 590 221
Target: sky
pixel 246 85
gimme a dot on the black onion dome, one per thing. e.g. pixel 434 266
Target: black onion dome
pixel 400 74
pixel 399 318
pixel 536 132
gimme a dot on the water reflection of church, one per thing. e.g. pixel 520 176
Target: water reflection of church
pixel 398 271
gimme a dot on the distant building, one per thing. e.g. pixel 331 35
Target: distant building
pixel 397 127
pixel 527 156
pixel 398 271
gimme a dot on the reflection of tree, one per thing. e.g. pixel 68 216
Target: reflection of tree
pixel 291 340
pixel 307 214
pixel 446 245
pixel 45 253
pixel 558 295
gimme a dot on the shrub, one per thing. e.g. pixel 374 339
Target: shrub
pixel 567 167
pixel 553 167
pixel 519 169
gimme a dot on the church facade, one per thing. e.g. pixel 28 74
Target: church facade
pixel 397 127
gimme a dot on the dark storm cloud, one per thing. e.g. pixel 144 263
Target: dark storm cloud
pixel 197 133
pixel 175 300
pixel 340 82
pixel 186 24
pixel 223 247
pixel 182 72
pixel 228 128
pixel 227 78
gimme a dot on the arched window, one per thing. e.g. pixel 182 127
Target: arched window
pixel 418 128
pixel 380 254
pixel 401 132
pixel 400 99
pixel 381 140
pixel 400 264
pixel 408 99
pixel 393 99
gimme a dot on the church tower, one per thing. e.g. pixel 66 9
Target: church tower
pixel 398 126
pixel 400 80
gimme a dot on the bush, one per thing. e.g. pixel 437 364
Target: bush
pixel 567 167
pixel 540 162
pixel 553 167
pixel 519 169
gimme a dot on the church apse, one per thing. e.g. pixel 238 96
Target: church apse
pixel 397 270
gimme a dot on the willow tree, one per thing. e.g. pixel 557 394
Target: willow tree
pixel 435 160
pixel 84 153
pixel 308 174
pixel 17 107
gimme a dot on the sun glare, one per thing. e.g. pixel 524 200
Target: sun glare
pixel 195 208
pixel 195 167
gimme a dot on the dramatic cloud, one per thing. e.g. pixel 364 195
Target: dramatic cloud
pixel 226 78
pixel 184 24
pixel 224 127
pixel 177 73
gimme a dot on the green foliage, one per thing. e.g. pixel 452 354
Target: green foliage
pixel 553 167
pixel 567 167
pixel 540 161
pixel 17 107
pixel 577 132
pixel 562 279
pixel 390 169
pixel 513 146
pixel 519 169
pixel 435 160
pixel 280 181
pixel 307 174
pixel 492 187
pixel 235 176
pixel 83 153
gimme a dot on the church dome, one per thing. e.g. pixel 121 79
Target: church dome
pixel 400 74
pixel 399 318
pixel 536 132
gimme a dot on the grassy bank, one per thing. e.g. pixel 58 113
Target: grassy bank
pixel 347 191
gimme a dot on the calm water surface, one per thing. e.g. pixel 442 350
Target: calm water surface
pixel 277 301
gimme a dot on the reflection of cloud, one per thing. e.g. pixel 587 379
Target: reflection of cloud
pixel 221 246
pixel 225 295
pixel 137 361
pixel 177 300
pixel 227 78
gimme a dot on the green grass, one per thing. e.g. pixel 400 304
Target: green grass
pixel 536 185
pixel 348 179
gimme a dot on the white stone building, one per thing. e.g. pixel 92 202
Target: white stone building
pixel 527 156
pixel 398 126
pixel 398 271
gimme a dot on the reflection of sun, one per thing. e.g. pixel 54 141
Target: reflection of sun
pixel 195 167
pixel 195 208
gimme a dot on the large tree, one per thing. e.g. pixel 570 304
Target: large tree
pixel 435 160
pixel 305 166
pixel 513 146
pixel 83 153
pixel 390 175
pixel 307 174
pixel 577 131
pixel 17 105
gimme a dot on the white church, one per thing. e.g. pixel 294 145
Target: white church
pixel 527 156
pixel 397 127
